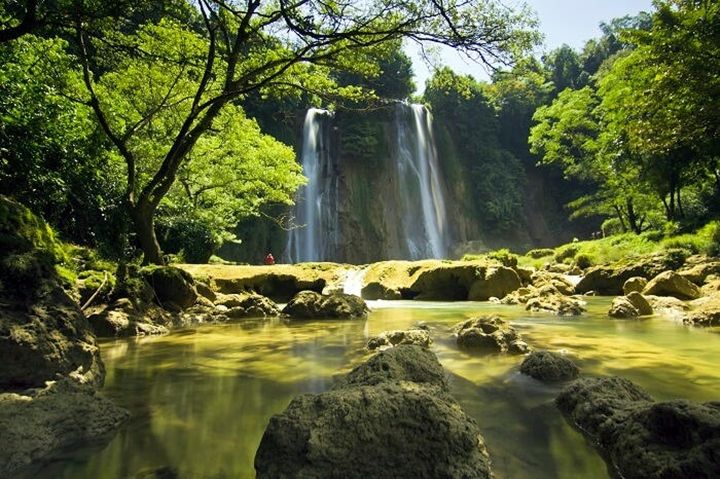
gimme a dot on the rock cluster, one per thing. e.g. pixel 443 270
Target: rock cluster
pixel 640 437
pixel 489 334
pixel 388 339
pixel 312 305
pixel 390 417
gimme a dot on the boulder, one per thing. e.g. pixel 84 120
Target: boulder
pixel 641 438
pixel 706 314
pixel 247 305
pixel 698 273
pixel 640 302
pixel 171 285
pixel 547 366
pixel 376 290
pixel 388 339
pixel 636 283
pixel 205 291
pixel 489 334
pixel 497 282
pixel 558 304
pixel 622 308
pixel 121 319
pixel 63 414
pixel 666 304
pixel 383 422
pixel 448 281
pixel 610 279
pixel 559 282
pixel 312 305
pixel 669 283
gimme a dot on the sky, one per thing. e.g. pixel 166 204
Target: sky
pixel 572 22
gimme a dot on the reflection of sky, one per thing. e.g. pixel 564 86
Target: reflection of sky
pixel 570 22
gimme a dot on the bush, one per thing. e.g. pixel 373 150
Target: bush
pixel 566 252
pixel 540 253
pixel 192 239
pixel 714 246
pixel 505 257
pixel 675 257
pixel 584 261
pixel 612 226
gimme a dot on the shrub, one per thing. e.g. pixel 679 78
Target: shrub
pixel 505 257
pixel 675 257
pixel 540 253
pixel 612 226
pixel 584 261
pixel 566 252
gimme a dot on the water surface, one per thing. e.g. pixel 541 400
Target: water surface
pixel 200 398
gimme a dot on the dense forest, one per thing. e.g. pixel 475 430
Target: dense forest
pixel 142 128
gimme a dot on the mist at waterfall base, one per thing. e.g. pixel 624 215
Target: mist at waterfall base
pixel 417 193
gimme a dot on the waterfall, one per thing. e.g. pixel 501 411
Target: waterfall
pixel 315 211
pixel 423 232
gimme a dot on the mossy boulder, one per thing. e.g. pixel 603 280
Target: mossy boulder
pixel 381 421
pixel 640 437
pixel 247 305
pixel 670 283
pixel 609 279
pixel 489 334
pixel 548 366
pixel 555 303
pixel 705 314
pixel 497 282
pixel 171 285
pixel 312 305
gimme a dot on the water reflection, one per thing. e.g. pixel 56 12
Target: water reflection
pixel 201 398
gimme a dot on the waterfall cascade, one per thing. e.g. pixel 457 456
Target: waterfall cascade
pixel 409 197
pixel 315 211
pixel 420 191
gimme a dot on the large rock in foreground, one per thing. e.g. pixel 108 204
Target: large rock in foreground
pixel 642 438
pixel 312 305
pixel 391 417
pixel 489 334
pixel 61 415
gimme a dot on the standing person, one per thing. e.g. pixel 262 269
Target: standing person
pixel 269 259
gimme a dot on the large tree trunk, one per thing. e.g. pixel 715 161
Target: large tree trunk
pixel 142 216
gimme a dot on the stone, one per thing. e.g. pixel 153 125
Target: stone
pixel 639 437
pixel 63 414
pixel 610 279
pixel 312 305
pixel 392 417
pixel 636 283
pixel 388 339
pixel 171 284
pixel 706 314
pixel 376 290
pixel 559 282
pixel 489 334
pixel 558 304
pixel 669 283
pixel 247 305
pixel 205 291
pixel 640 302
pixel 622 308
pixel 497 282
pixel 121 319
pixel 698 273
pixel 548 366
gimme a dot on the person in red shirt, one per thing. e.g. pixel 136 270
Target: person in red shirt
pixel 269 259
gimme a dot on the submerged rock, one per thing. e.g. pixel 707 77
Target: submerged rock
pixel 312 305
pixel 669 283
pixel 32 426
pixel 391 417
pixel 489 334
pixel 549 367
pixel 642 438
pixel 388 339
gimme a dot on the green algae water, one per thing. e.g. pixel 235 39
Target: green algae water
pixel 200 398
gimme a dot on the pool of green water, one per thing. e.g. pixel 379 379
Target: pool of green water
pixel 200 398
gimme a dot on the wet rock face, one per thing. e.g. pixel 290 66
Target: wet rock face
pixel 391 417
pixel 489 334
pixel 312 305
pixel 547 366
pixel 388 339
pixel 45 338
pixel 640 437
pixel 32 426
pixel 669 283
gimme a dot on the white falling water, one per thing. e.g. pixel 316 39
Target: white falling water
pixel 316 203
pixel 422 201
pixel 353 281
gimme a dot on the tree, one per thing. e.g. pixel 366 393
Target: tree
pixel 242 47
